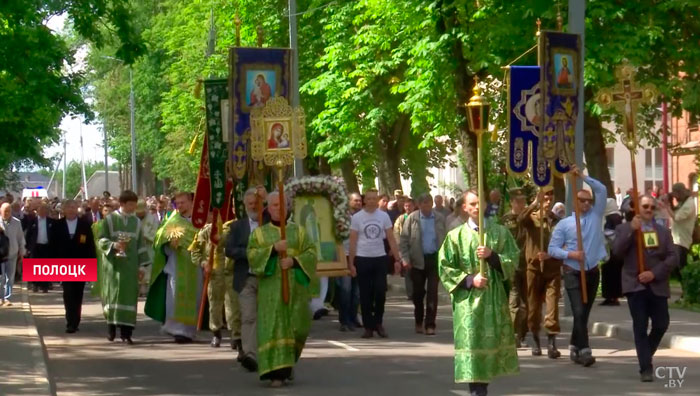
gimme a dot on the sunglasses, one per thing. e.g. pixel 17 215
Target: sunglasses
pixel 652 207
pixel 585 200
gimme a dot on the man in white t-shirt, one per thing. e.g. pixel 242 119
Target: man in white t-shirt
pixel 368 261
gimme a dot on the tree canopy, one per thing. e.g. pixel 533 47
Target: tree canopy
pixel 383 82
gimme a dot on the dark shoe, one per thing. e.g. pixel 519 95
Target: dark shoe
pixel 381 332
pixel 646 376
pixel 419 329
pixel 367 334
pixel 128 340
pixel 344 328
pixel 605 302
pixel 552 351
pixel 586 357
pixel 615 302
pixel 111 333
pixel 250 364
pixel 358 324
pixel 216 340
pixel 573 354
pixel 320 313
pixel 182 339
pixel 35 288
pixel 70 330
pixel 536 349
pixel 430 331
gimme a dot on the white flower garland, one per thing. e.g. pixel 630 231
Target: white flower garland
pixel 331 187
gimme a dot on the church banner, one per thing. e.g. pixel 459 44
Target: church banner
pixel 256 75
pixel 560 55
pixel 217 110
pixel 524 149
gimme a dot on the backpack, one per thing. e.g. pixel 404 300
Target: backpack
pixel 4 246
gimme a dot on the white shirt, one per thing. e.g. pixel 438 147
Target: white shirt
pixel 42 237
pixel 253 224
pixel 72 224
pixel 371 231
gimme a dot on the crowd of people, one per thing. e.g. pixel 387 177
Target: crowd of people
pixel 498 287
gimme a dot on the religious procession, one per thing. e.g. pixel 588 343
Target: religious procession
pixel 297 198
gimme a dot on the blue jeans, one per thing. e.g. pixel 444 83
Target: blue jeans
pixel 8 277
pixel 349 299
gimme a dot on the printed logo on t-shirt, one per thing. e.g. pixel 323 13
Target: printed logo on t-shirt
pixel 373 231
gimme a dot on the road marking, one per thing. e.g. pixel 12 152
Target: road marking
pixel 344 346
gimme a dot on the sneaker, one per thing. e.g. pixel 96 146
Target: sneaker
pixel 430 331
pixel 573 354
pixel 382 333
pixel 646 376
pixel 344 328
pixel 367 334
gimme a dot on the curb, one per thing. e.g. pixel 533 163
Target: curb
pixel 609 330
pixel 41 375
pixel 600 329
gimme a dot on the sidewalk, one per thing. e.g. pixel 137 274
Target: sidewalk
pixel 613 321
pixel 23 369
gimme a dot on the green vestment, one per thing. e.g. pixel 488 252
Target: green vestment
pixel 186 275
pixel 483 332
pixel 119 286
pixel 281 328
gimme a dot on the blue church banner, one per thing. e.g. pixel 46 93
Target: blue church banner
pixel 560 54
pixel 257 74
pixel 524 149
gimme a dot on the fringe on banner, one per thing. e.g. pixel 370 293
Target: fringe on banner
pixel 193 145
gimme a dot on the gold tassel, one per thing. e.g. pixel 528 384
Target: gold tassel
pixel 193 145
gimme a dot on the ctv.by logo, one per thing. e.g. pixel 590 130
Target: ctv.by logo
pixel 674 375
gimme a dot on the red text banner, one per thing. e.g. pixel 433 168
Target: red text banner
pixel 59 270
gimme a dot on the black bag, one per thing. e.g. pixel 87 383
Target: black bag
pixel 4 246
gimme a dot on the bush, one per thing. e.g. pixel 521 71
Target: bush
pixel 691 281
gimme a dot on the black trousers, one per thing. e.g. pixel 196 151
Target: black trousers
pixel 73 302
pixel 581 311
pixel 41 251
pixel 682 261
pixel 611 278
pixel 425 313
pixel 645 305
pixel 124 330
pixel 371 278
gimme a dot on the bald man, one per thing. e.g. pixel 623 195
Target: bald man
pixel 13 230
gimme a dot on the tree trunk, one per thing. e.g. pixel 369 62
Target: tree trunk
pixel 148 181
pixel 594 148
pixel 324 167
pixel 347 168
pixel 418 165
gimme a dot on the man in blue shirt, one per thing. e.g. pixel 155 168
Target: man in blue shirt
pixel 564 246
pixel 422 234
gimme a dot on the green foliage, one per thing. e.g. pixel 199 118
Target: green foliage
pixel 38 85
pixel 691 282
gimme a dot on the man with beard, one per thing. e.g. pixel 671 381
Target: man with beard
pixel 245 283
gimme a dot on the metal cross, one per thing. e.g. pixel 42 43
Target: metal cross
pixel 626 98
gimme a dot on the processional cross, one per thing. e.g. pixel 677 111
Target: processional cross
pixel 626 98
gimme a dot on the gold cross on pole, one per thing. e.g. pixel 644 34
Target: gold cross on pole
pixel 626 97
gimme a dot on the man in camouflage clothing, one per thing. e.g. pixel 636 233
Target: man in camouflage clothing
pixel 518 287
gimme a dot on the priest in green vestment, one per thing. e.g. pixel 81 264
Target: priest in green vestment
pixel 121 251
pixel 176 282
pixel 483 331
pixel 282 327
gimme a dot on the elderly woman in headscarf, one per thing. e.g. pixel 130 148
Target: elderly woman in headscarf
pixel 611 270
pixel 559 210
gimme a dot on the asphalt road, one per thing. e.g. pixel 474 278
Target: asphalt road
pixel 333 363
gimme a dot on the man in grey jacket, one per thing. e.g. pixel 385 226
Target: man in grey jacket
pixel 422 235
pixel 647 292
pixel 13 229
